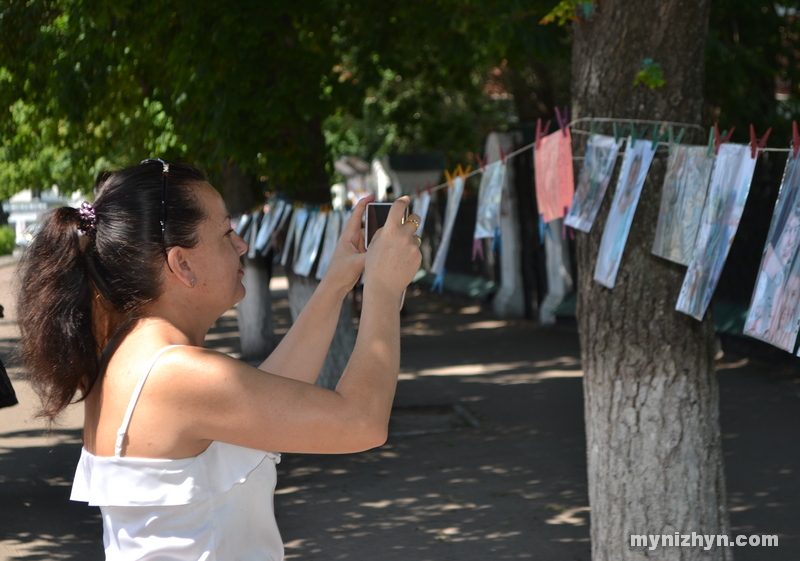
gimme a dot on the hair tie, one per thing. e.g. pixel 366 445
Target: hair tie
pixel 88 220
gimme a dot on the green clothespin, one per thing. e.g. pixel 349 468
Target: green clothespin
pixel 658 138
pixel 592 128
pixel 711 142
pixel 616 132
pixel 636 137
pixel 672 139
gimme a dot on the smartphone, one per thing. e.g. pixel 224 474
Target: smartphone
pixel 374 219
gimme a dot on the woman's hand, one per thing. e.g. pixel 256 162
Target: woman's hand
pixel 394 256
pixel 347 262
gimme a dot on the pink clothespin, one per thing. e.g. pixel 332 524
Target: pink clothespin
pixel 563 120
pixel 539 132
pixel 502 155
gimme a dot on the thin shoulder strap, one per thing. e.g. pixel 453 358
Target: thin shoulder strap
pixel 123 429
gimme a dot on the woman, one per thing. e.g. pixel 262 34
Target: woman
pixel 179 441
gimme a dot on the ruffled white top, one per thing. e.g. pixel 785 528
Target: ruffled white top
pixel 216 506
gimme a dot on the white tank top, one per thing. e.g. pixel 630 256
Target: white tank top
pixel 216 506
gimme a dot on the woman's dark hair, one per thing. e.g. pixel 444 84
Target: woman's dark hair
pixel 75 289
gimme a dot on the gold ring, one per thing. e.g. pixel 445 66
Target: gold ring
pixel 418 239
pixel 416 224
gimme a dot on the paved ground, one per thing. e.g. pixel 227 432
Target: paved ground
pixel 513 487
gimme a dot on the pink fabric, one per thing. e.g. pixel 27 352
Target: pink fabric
pixel 555 185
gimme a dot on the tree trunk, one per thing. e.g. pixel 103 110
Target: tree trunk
pixel 238 190
pixel 254 312
pixel 651 397
pixel 344 340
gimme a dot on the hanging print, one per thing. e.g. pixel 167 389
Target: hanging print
pixel 635 164
pixel 420 207
pixel 727 193
pixel 454 193
pixel 682 200
pixel 310 244
pixel 296 226
pixel 268 224
pixel 773 313
pixel 598 165
pixel 552 166
pixel 329 242
pixel 489 195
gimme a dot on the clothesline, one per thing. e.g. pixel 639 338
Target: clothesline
pixel 589 133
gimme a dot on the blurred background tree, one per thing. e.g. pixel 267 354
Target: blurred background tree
pixel 263 90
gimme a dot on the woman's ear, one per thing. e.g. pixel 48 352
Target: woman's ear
pixel 180 266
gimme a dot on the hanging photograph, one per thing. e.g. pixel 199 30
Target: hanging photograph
pixel 268 223
pixel 311 242
pixel 772 316
pixel 489 197
pixel 635 164
pixel 295 233
pixel 277 231
pixel 552 167
pixel 329 242
pixel 598 166
pixel 420 208
pixel 727 193
pixel 454 193
pixel 682 199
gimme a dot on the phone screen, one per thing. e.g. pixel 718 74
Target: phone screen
pixel 376 218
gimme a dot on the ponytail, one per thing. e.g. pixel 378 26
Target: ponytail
pixel 89 270
pixel 57 343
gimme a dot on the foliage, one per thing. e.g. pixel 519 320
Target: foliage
pixel 650 75
pixel 7 240
pixel 752 48
pixel 569 10
pixel 94 85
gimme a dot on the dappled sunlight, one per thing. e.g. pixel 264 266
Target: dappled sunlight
pixel 469 310
pixel 734 364
pixel 421 329
pixel 575 516
pixel 431 499
pixel 489 324
pixel 504 373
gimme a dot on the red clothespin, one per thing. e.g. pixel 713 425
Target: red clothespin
pixel 756 144
pixel 502 155
pixel 719 142
pixel 481 163
pixel 418 190
pixel 563 120
pixel 795 139
pixel 539 132
pixel 428 187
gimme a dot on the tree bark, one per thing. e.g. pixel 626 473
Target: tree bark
pixel 651 396
pixel 238 190
pixel 344 340
pixel 254 312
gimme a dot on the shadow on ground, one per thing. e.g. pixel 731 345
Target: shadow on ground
pixel 37 515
